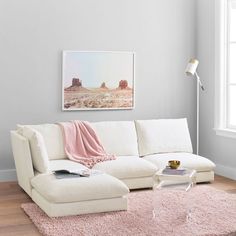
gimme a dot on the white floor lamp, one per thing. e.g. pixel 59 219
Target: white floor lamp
pixel 191 70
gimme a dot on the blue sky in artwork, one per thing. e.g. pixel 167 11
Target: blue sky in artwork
pixel 93 68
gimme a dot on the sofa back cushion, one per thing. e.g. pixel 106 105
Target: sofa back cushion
pixel 53 139
pixel 162 136
pixel 117 137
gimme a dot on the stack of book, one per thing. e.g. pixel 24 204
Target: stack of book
pixel 169 171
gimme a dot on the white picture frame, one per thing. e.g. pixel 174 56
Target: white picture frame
pixel 98 80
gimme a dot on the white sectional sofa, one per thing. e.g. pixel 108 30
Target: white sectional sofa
pixel 142 147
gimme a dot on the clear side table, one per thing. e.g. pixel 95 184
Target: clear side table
pixel 171 188
pixel 189 176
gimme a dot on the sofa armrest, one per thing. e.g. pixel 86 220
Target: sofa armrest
pixel 23 161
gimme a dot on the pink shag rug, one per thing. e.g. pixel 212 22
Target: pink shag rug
pixel 213 213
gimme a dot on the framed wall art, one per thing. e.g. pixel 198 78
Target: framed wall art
pixel 94 80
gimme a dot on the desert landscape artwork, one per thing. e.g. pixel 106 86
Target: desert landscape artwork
pixel 98 80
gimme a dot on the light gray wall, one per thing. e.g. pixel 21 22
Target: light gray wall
pixel 33 34
pixel 220 149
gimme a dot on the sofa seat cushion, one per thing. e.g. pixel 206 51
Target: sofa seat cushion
pixel 187 160
pixel 126 167
pixel 100 186
pixel 65 164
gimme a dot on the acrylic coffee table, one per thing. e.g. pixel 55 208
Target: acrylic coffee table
pixel 172 187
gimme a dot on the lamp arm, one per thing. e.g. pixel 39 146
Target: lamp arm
pixel 199 81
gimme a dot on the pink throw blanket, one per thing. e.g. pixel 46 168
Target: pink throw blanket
pixel 82 144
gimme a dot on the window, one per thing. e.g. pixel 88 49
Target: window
pixel 225 72
pixel 231 57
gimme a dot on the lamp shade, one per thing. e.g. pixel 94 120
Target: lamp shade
pixel 192 67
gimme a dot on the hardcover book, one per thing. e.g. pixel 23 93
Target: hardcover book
pixel 169 171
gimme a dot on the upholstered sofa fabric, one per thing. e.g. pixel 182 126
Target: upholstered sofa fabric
pixel 23 161
pixel 53 139
pixel 79 207
pixel 127 167
pixel 65 164
pixel 38 149
pixel 100 186
pixel 163 136
pixel 117 137
pixel 188 160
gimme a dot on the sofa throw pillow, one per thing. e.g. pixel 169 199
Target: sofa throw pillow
pixel 52 137
pixel 163 136
pixel 38 150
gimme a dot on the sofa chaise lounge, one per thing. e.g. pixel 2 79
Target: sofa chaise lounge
pixel 142 147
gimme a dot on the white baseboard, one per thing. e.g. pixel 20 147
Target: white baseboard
pixel 8 175
pixel 226 171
